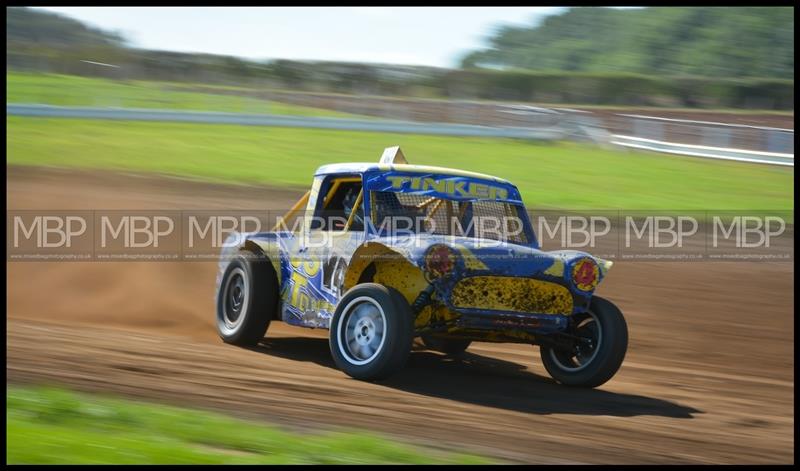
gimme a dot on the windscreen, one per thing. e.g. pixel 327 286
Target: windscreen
pixel 417 213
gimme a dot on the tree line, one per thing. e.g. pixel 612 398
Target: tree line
pixel 730 42
pixel 46 42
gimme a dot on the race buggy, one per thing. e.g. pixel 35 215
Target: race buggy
pixel 388 252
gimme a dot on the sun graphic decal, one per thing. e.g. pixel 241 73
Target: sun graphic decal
pixel 439 261
pixel 585 274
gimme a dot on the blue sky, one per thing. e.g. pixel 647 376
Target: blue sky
pixel 435 36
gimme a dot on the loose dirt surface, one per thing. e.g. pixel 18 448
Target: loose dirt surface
pixel 708 377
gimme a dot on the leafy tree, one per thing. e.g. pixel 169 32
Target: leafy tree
pixel 706 41
pixel 36 27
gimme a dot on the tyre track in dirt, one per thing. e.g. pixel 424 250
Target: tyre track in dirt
pixel 708 377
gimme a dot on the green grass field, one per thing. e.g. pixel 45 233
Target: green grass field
pixel 558 175
pixel 52 426
pixel 74 90
pixel 71 90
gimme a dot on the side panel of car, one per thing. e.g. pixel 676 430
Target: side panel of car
pixel 314 262
pixel 313 273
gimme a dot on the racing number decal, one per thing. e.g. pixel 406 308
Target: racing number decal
pixel 333 276
pixel 307 303
pixel 302 272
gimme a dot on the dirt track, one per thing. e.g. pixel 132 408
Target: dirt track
pixel 708 377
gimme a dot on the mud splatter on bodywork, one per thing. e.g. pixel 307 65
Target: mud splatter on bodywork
pixel 512 294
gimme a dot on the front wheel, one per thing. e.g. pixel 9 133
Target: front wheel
pixel 601 340
pixel 371 332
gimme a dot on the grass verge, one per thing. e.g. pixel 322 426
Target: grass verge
pixel 72 90
pixel 49 425
pixel 555 175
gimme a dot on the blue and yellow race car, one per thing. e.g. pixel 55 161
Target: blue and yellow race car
pixel 383 253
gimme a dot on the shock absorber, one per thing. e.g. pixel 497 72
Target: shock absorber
pixel 423 299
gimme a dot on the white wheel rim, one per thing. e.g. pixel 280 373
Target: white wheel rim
pixel 361 331
pixel 583 364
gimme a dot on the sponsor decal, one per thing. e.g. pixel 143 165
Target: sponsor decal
pixel 457 187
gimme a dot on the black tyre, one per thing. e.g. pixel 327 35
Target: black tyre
pixel 247 299
pixel 371 332
pixel 446 345
pixel 599 355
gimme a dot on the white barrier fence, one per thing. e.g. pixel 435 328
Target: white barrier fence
pixel 246 119
pixel 724 153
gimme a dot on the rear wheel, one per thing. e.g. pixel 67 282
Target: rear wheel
pixel 446 345
pixel 371 332
pixel 247 299
pixel 601 340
